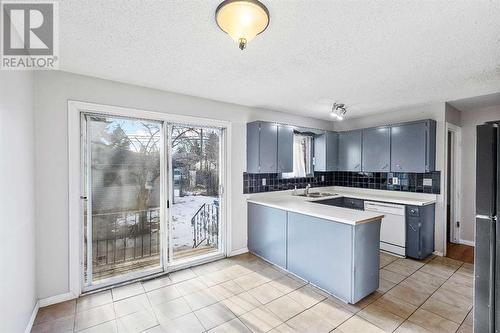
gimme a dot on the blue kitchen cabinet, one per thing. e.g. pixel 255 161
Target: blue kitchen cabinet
pixel 285 148
pixel 269 147
pixel 349 150
pixel 376 155
pixel 420 231
pixel 337 202
pixel 334 256
pixel 253 149
pixel 345 202
pixel 413 147
pixel 354 203
pixel 267 233
pixel 326 151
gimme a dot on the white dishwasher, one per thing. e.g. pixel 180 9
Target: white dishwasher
pixel 393 228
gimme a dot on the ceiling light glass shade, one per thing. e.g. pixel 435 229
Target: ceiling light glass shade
pixel 242 19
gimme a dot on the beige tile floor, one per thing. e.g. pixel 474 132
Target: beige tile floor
pixel 246 294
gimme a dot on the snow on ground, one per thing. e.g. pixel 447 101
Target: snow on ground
pixel 183 210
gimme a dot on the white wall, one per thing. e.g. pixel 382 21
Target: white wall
pixel 52 91
pixel 469 121
pixel 453 115
pixel 17 201
pixel 430 111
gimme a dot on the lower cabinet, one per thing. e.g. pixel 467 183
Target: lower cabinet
pixel 312 243
pixel 420 231
pixel 353 203
pixel 267 233
pixel 339 258
pixel 345 202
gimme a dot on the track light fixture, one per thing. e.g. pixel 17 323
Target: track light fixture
pixel 338 111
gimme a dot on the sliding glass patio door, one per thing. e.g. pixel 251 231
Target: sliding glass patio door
pixel 196 194
pixel 123 213
pixel 152 197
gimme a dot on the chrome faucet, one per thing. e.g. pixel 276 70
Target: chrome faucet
pixel 306 191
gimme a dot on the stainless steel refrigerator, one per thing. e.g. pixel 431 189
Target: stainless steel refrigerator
pixel 487 251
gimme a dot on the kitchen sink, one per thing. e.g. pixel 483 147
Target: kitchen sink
pixel 316 194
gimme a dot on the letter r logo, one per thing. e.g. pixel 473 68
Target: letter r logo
pixel 28 28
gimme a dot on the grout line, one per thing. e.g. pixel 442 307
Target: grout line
pixel 419 307
pixel 285 294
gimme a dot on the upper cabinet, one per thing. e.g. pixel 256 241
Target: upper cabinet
pixel 413 147
pixel 269 147
pixel 285 148
pixel 326 151
pixel 407 147
pixel 253 147
pixel 376 149
pixel 349 157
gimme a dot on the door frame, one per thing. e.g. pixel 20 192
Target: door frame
pixel 456 163
pixel 75 204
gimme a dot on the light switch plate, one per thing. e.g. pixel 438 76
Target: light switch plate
pixel 395 181
pixel 322 178
pixel 427 182
pixel 264 182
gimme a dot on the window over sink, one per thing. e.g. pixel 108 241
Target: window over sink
pixel 303 153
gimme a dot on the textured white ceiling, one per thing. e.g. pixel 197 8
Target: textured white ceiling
pixel 371 55
pixel 478 102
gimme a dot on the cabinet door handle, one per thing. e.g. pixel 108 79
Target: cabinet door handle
pixel 385 166
pixel 356 166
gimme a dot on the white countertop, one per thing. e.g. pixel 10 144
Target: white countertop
pixel 403 198
pixel 305 205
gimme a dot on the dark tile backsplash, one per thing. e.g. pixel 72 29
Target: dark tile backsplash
pixel 252 182
pixel 408 182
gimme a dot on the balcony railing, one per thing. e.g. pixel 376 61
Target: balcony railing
pixel 129 240
pixel 206 225
pixel 122 237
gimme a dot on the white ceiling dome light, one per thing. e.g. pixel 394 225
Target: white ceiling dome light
pixel 242 19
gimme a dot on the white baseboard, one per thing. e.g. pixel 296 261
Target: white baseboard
pixel 237 252
pixel 466 242
pixel 438 253
pixel 32 318
pixel 56 299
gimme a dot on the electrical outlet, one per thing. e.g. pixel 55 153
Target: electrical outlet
pixel 395 181
pixel 427 182
pixel 264 182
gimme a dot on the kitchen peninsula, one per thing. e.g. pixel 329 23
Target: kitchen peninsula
pixel 334 248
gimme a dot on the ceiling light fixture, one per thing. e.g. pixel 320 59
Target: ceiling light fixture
pixel 242 19
pixel 338 111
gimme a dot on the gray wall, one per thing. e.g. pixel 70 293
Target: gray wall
pixel 434 111
pixel 52 90
pixel 469 120
pixel 17 201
